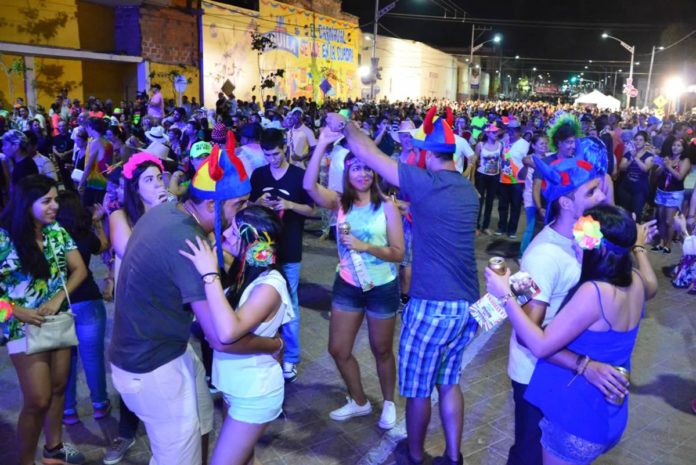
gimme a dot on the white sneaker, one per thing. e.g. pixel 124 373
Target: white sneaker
pixel 388 418
pixel 289 372
pixel 350 410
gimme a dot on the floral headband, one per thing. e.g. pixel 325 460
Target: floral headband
pixel 137 160
pixel 588 234
pixel 261 251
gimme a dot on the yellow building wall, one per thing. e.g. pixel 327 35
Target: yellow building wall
pixel 55 74
pixel 311 48
pixel 227 51
pixel 11 84
pixel 108 80
pixel 96 27
pixel 160 74
pixel 41 22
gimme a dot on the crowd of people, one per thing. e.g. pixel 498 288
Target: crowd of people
pixel 198 215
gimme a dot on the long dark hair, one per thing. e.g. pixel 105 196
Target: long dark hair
pixel 133 205
pixel 350 195
pixel 18 220
pixel 604 263
pixel 73 216
pixel 264 220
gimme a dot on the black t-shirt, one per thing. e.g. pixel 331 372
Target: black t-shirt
pixel 22 169
pixel 290 188
pixel 63 143
pixel 88 290
pixel 152 318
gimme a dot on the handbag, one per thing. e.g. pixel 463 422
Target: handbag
pixel 57 331
pixel 76 175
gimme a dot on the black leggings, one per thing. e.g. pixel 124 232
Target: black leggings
pixel 487 187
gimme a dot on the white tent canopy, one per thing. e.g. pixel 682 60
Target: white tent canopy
pixel 593 98
pixel 599 100
pixel 611 103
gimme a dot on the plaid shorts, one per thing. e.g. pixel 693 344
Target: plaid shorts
pixel 434 334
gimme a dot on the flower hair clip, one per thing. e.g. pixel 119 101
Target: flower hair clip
pixel 6 310
pixel 137 160
pixel 587 233
pixel 261 254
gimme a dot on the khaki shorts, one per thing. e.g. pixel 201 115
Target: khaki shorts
pixel 174 404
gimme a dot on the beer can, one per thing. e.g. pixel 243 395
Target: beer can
pixel 618 400
pixel 344 228
pixel 498 265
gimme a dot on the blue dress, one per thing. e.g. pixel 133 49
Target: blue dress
pixel 581 409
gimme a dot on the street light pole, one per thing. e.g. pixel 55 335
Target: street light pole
pixel 647 89
pixel 632 50
pixel 375 27
pixel 630 79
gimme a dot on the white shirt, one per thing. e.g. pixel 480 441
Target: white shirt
pixel 552 262
pixel 46 166
pixel 463 150
pixel 338 156
pixel 255 375
pixel 252 157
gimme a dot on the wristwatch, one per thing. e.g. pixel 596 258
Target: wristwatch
pixel 210 278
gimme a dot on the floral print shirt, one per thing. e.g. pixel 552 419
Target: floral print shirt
pixel 22 289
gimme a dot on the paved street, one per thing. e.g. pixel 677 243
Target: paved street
pixel 661 430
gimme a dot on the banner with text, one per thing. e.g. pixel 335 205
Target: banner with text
pixel 311 48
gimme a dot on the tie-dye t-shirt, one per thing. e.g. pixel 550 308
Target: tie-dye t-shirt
pixel 369 225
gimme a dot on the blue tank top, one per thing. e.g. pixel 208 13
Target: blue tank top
pixel 580 408
pixel 369 225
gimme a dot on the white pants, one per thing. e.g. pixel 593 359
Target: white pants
pixel 174 404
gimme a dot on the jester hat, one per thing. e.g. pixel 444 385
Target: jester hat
pixel 435 134
pixel 562 178
pixel 221 177
pixel 593 151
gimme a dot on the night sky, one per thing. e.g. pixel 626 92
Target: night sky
pixel 565 34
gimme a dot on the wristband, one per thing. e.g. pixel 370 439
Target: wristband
pixel 638 247
pixel 209 278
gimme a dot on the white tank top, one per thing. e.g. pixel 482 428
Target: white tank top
pixel 489 161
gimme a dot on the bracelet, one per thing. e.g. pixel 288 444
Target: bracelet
pixel 637 247
pixel 583 365
pixel 503 300
pixel 280 349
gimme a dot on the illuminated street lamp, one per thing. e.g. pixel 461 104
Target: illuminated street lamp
pixel 632 50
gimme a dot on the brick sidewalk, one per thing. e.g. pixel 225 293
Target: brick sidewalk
pixel 661 430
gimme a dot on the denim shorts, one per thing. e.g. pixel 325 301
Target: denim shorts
pixel 569 447
pixel 380 302
pixel 669 199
